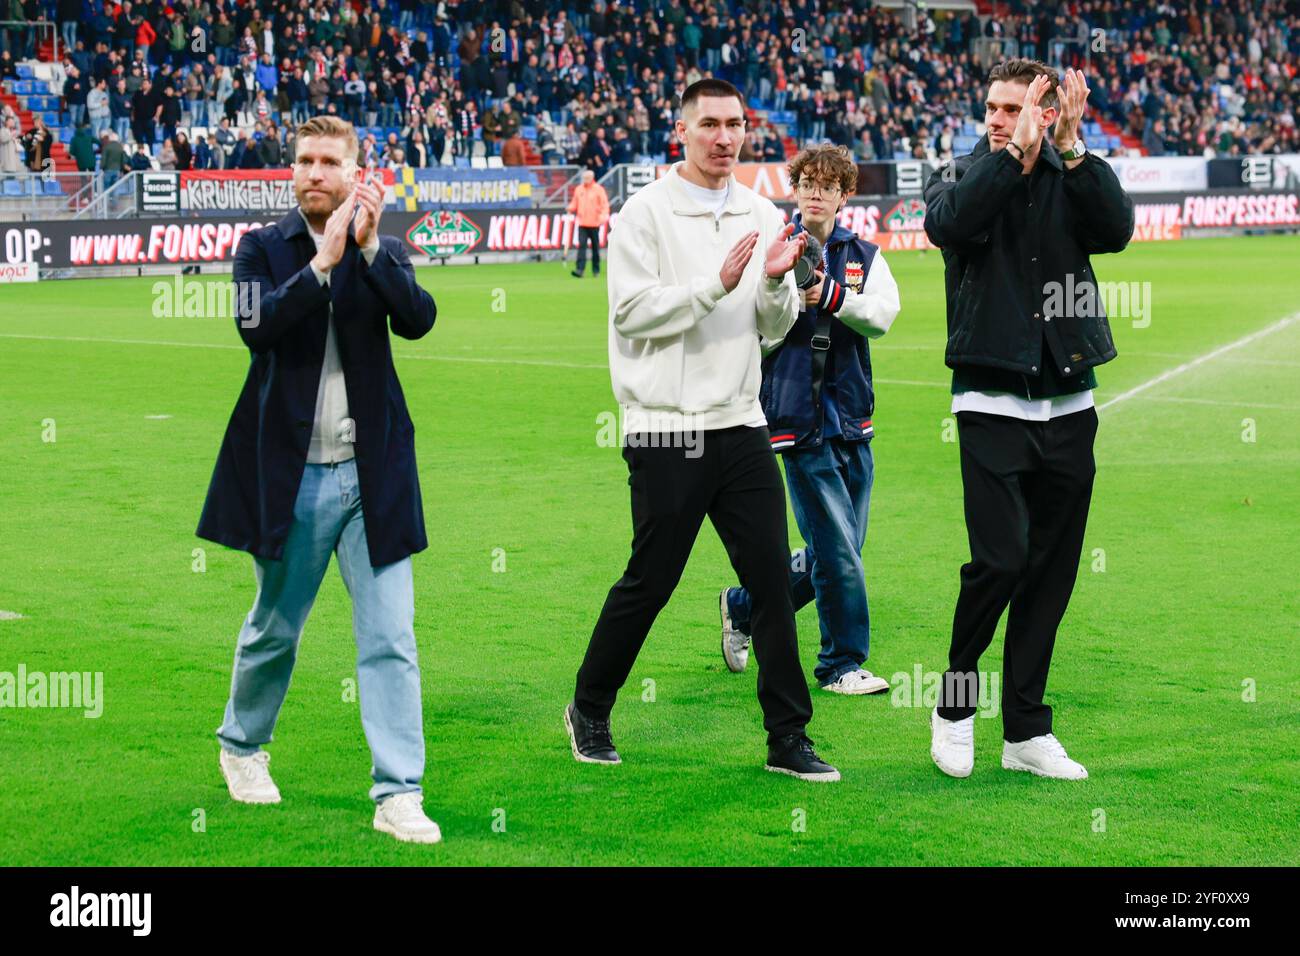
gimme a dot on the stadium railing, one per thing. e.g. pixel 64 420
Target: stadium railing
pixel 44 195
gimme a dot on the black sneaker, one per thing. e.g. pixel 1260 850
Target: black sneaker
pixel 590 738
pixel 794 754
pixel 575 273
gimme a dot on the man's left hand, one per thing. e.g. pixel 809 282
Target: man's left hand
pixel 370 204
pixel 783 253
pixel 1072 94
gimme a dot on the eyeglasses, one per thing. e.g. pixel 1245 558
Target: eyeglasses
pixel 807 188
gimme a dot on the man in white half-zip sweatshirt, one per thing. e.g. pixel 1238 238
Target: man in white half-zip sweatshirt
pixel 689 304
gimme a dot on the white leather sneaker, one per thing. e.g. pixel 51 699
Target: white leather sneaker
pixel 402 815
pixel 858 682
pixel 735 645
pixel 248 778
pixel 1043 756
pixel 952 744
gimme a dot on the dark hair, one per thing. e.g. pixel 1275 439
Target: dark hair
pixel 1023 70
pixel 710 87
pixel 826 163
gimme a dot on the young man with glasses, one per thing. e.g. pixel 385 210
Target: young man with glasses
pixel 818 399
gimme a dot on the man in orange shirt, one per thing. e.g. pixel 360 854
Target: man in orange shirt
pixel 591 204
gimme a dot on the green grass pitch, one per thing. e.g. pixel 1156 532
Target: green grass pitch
pixel 1176 678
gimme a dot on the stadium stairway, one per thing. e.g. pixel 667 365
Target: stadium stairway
pixel 63 163
pixel 1112 129
pixel 47 51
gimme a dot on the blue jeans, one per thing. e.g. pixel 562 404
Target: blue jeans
pixel 327 519
pixel 830 491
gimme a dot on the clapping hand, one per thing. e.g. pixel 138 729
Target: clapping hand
pixel 370 203
pixel 336 235
pixel 783 254
pixel 1073 96
pixel 1028 134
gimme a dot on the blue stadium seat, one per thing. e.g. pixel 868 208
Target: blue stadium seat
pixel 12 187
pixel 25 72
pixel 52 188
pixel 462 162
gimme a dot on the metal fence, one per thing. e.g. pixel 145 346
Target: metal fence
pixel 38 32
pixel 45 195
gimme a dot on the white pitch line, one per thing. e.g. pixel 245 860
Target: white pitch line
pixel 1201 360
pixel 241 348
pixel 10 616
pixel 401 355
pixel 908 381
pixel 1236 360
pixel 1211 401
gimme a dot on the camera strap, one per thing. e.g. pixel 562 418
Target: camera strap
pixel 821 340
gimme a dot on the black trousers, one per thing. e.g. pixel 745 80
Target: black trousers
pixel 1027 487
pixel 732 477
pixel 589 234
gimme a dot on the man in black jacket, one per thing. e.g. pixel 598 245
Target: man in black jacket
pixel 318 460
pixel 1017 220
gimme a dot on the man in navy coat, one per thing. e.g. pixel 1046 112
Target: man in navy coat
pixel 319 458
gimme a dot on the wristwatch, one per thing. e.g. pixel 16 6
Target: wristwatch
pixel 1077 151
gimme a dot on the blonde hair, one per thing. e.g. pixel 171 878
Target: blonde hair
pixel 331 126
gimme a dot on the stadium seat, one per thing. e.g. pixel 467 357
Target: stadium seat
pixel 52 188
pixel 494 162
pixel 478 162
pixel 13 187
pixel 25 72
pixel 461 162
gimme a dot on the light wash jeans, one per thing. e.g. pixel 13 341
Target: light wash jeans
pixel 327 519
pixel 830 492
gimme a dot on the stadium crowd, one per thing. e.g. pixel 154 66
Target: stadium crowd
pixel 593 84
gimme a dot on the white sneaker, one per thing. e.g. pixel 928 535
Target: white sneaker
pixel 402 815
pixel 857 682
pixel 735 645
pixel 952 744
pixel 248 778
pixel 1043 756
